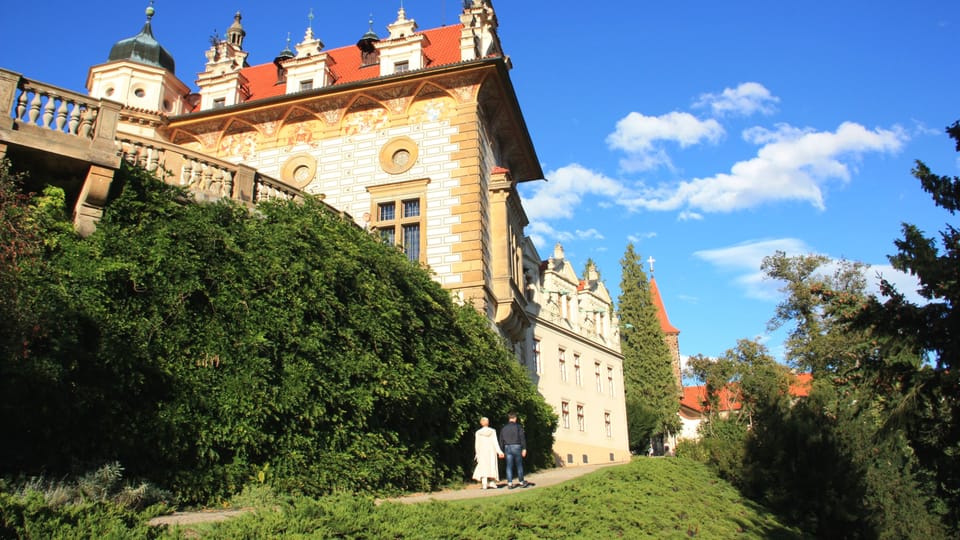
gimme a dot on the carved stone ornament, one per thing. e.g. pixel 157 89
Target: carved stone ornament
pixel 299 170
pixel 398 155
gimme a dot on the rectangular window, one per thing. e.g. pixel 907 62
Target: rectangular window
pixel 400 67
pixel 608 424
pixel 565 414
pixel 576 369
pixel 596 373
pixel 387 212
pixel 563 364
pixel 537 362
pixel 219 103
pixel 411 241
pixel 388 236
pixel 581 421
pixel 610 380
pixel 306 85
pixel 399 216
pixel 411 208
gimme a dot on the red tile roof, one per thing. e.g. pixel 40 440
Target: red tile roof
pixel 801 385
pixel 695 397
pixel 441 47
pixel 661 311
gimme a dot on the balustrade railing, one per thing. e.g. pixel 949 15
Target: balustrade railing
pixel 47 107
pixel 266 188
pixel 209 177
pixel 57 109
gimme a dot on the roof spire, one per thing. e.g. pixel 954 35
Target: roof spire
pixel 236 33
pixel 286 52
pixel 143 48
pixel 308 36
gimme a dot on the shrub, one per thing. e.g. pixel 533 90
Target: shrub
pixel 200 344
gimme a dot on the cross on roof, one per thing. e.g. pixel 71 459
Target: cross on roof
pixel 651 260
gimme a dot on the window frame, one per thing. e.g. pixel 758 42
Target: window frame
pixel 397 194
pixel 562 361
pixel 578 372
pixel 537 360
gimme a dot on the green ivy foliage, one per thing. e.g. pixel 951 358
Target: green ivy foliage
pixel 208 345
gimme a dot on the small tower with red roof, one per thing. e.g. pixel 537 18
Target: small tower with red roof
pixel 670 332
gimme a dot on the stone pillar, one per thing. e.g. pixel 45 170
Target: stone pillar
pixel 243 183
pixel 8 90
pixel 106 129
pixel 92 200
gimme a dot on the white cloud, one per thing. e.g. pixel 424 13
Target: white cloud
pixel 905 283
pixel 543 234
pixel 637 133
pixel 640 136
pixel 793 164
pixel 589 234
pixel 559 196
pixel 744 260
pixel 637 238
pixel 687 215
pixel 746 99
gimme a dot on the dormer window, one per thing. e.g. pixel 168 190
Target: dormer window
pixel 400 67
pixel 369 58
pixel 306 85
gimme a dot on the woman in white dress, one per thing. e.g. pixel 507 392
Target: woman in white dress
pixel 488 450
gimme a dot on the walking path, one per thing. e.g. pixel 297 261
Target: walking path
pixel 537 480
pixel 548 477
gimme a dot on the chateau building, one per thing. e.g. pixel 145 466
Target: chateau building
pixel 416 135
pixel 576 361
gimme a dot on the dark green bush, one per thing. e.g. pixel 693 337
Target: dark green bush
pixel 202 344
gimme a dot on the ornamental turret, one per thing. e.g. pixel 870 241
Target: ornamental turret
pixel 221 83
pixel 139 73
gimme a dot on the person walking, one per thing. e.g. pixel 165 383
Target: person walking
pixel 487 452
pixel 514 443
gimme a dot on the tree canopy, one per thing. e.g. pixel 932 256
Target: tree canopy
pixel 873 451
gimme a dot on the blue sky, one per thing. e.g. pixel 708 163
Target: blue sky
pixel 709 134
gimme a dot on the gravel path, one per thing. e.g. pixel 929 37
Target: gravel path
pixel 539 479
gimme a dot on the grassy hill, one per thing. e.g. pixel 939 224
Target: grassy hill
pixel 648 498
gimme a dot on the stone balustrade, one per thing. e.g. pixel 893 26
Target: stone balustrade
pixel 208 178
pixel 54 108
pixel 57 120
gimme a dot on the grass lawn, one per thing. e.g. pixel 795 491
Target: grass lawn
pixel 648 498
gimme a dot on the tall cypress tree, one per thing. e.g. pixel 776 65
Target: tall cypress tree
pixel 649 384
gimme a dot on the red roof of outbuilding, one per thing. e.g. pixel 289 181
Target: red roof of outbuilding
pixel 801 386
pixel 695 397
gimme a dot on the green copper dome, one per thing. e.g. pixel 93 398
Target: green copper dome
pixel 143 48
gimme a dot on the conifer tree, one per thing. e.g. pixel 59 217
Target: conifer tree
pixel 649 383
